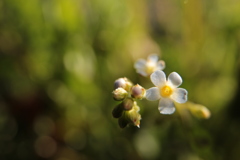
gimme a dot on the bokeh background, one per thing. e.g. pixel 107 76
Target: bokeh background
pixel 59 59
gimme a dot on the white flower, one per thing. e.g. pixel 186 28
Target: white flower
pixel 166 91
pixel 147 67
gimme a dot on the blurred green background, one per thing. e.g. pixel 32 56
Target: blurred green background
pixel 59 59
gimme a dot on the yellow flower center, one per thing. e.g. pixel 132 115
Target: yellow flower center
pixel 150 67
pixel 166 91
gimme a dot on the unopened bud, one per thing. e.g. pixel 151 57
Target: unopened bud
pixel 122 122
pixel 119 94
pixel 130 117
pixel 128 103
pixel 120 82
pixel 200 111
pixel 117 111
pixel 123 83
pixel 133 116
pixel 138 92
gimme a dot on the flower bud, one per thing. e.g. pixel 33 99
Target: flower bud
pixel 138 92
pixel 133 116
pixel 119 94
pixel 200 111
pixel 123 83
pixel 127 103
pixel 120 82
pixel 130 117
pixel 122 122
pixel 117 111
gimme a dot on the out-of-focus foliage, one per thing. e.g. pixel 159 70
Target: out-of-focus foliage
pixel 59 59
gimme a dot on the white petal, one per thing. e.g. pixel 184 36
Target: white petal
pixel 152 94
pixel 180 95
pixel 166 106
pixel 158 78
pixel 153 58
pixel 161 65
pixel 141 63
pixel 175 79
pixel 142 72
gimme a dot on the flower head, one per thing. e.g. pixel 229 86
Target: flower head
pixel 167 91
pixel 147 67
pixel 127 111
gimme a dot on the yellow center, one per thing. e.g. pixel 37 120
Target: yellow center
pixel 150 67
pixel 166 91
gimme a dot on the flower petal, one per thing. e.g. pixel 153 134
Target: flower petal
pixel 141 63
pixel 158 78
pixel 153 58
pixel 142 72
pixel 161 65
pixel 180 95
pixel 175 79
pixel 152 94
pixel 166 106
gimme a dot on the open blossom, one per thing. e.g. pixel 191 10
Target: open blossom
pixel 147 67
pixel 167 91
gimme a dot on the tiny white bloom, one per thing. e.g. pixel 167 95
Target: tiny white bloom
pixel 147 67
pixel 166 90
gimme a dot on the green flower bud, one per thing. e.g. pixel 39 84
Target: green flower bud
pixel 117 111
pixel 138 92
pixel 199 111
pixel 119 94
pixel 134 117
pixel 123 83
pixel 127 104
pixel 130 117
pixel 122 122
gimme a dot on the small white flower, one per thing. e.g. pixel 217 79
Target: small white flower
pixel 166 91
pixel 147 67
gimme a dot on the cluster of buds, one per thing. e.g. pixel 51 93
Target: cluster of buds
pixel 127 111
